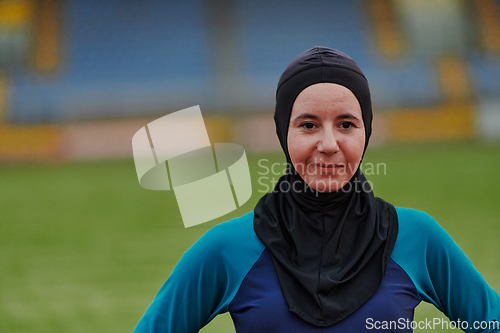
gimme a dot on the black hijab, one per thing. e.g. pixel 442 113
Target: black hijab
pixel 330 250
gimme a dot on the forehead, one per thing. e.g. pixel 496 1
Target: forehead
pixel 326 97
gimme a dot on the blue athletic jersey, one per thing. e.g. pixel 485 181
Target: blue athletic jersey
pixel 229 269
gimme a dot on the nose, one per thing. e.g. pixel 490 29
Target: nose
pixel 327 143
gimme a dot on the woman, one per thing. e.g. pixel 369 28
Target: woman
pixel 321 253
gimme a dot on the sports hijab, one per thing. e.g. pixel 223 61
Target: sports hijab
pixel 330 250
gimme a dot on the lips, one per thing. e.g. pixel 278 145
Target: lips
pixel 327 165
pixel 325 168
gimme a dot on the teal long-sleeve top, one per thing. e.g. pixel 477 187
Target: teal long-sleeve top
pixel 229 270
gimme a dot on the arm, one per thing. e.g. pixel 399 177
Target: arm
pixel 205 280
pixel 441 272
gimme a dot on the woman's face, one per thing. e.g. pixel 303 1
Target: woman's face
pixel 326 136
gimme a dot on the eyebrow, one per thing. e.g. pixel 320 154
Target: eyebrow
pixel 312 116
pixel 306 116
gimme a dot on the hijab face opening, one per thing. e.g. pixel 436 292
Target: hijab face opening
pixel 326 136
pixel 316 65
pixel 329 249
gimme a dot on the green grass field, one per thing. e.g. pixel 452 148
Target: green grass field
pixel 83 248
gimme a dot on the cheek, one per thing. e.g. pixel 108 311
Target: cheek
pixel 354 150
pixel 299 148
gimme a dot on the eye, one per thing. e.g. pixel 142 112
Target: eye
pixel 307 125
pixel 346 125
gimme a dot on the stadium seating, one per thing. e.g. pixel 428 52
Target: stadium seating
pixel 119 58
pixel 143 57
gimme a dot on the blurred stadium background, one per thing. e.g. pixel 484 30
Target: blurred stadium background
pixel 84 249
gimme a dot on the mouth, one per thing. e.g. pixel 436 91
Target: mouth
pixel 326 168
pixel 327 165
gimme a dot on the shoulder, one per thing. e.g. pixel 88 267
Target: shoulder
pixel 439 269
pixel 408 217
pixel 236 232
pixel 423 249
pixel 206 279
pixel 418 227
pixel 233 242
pixel 240 227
